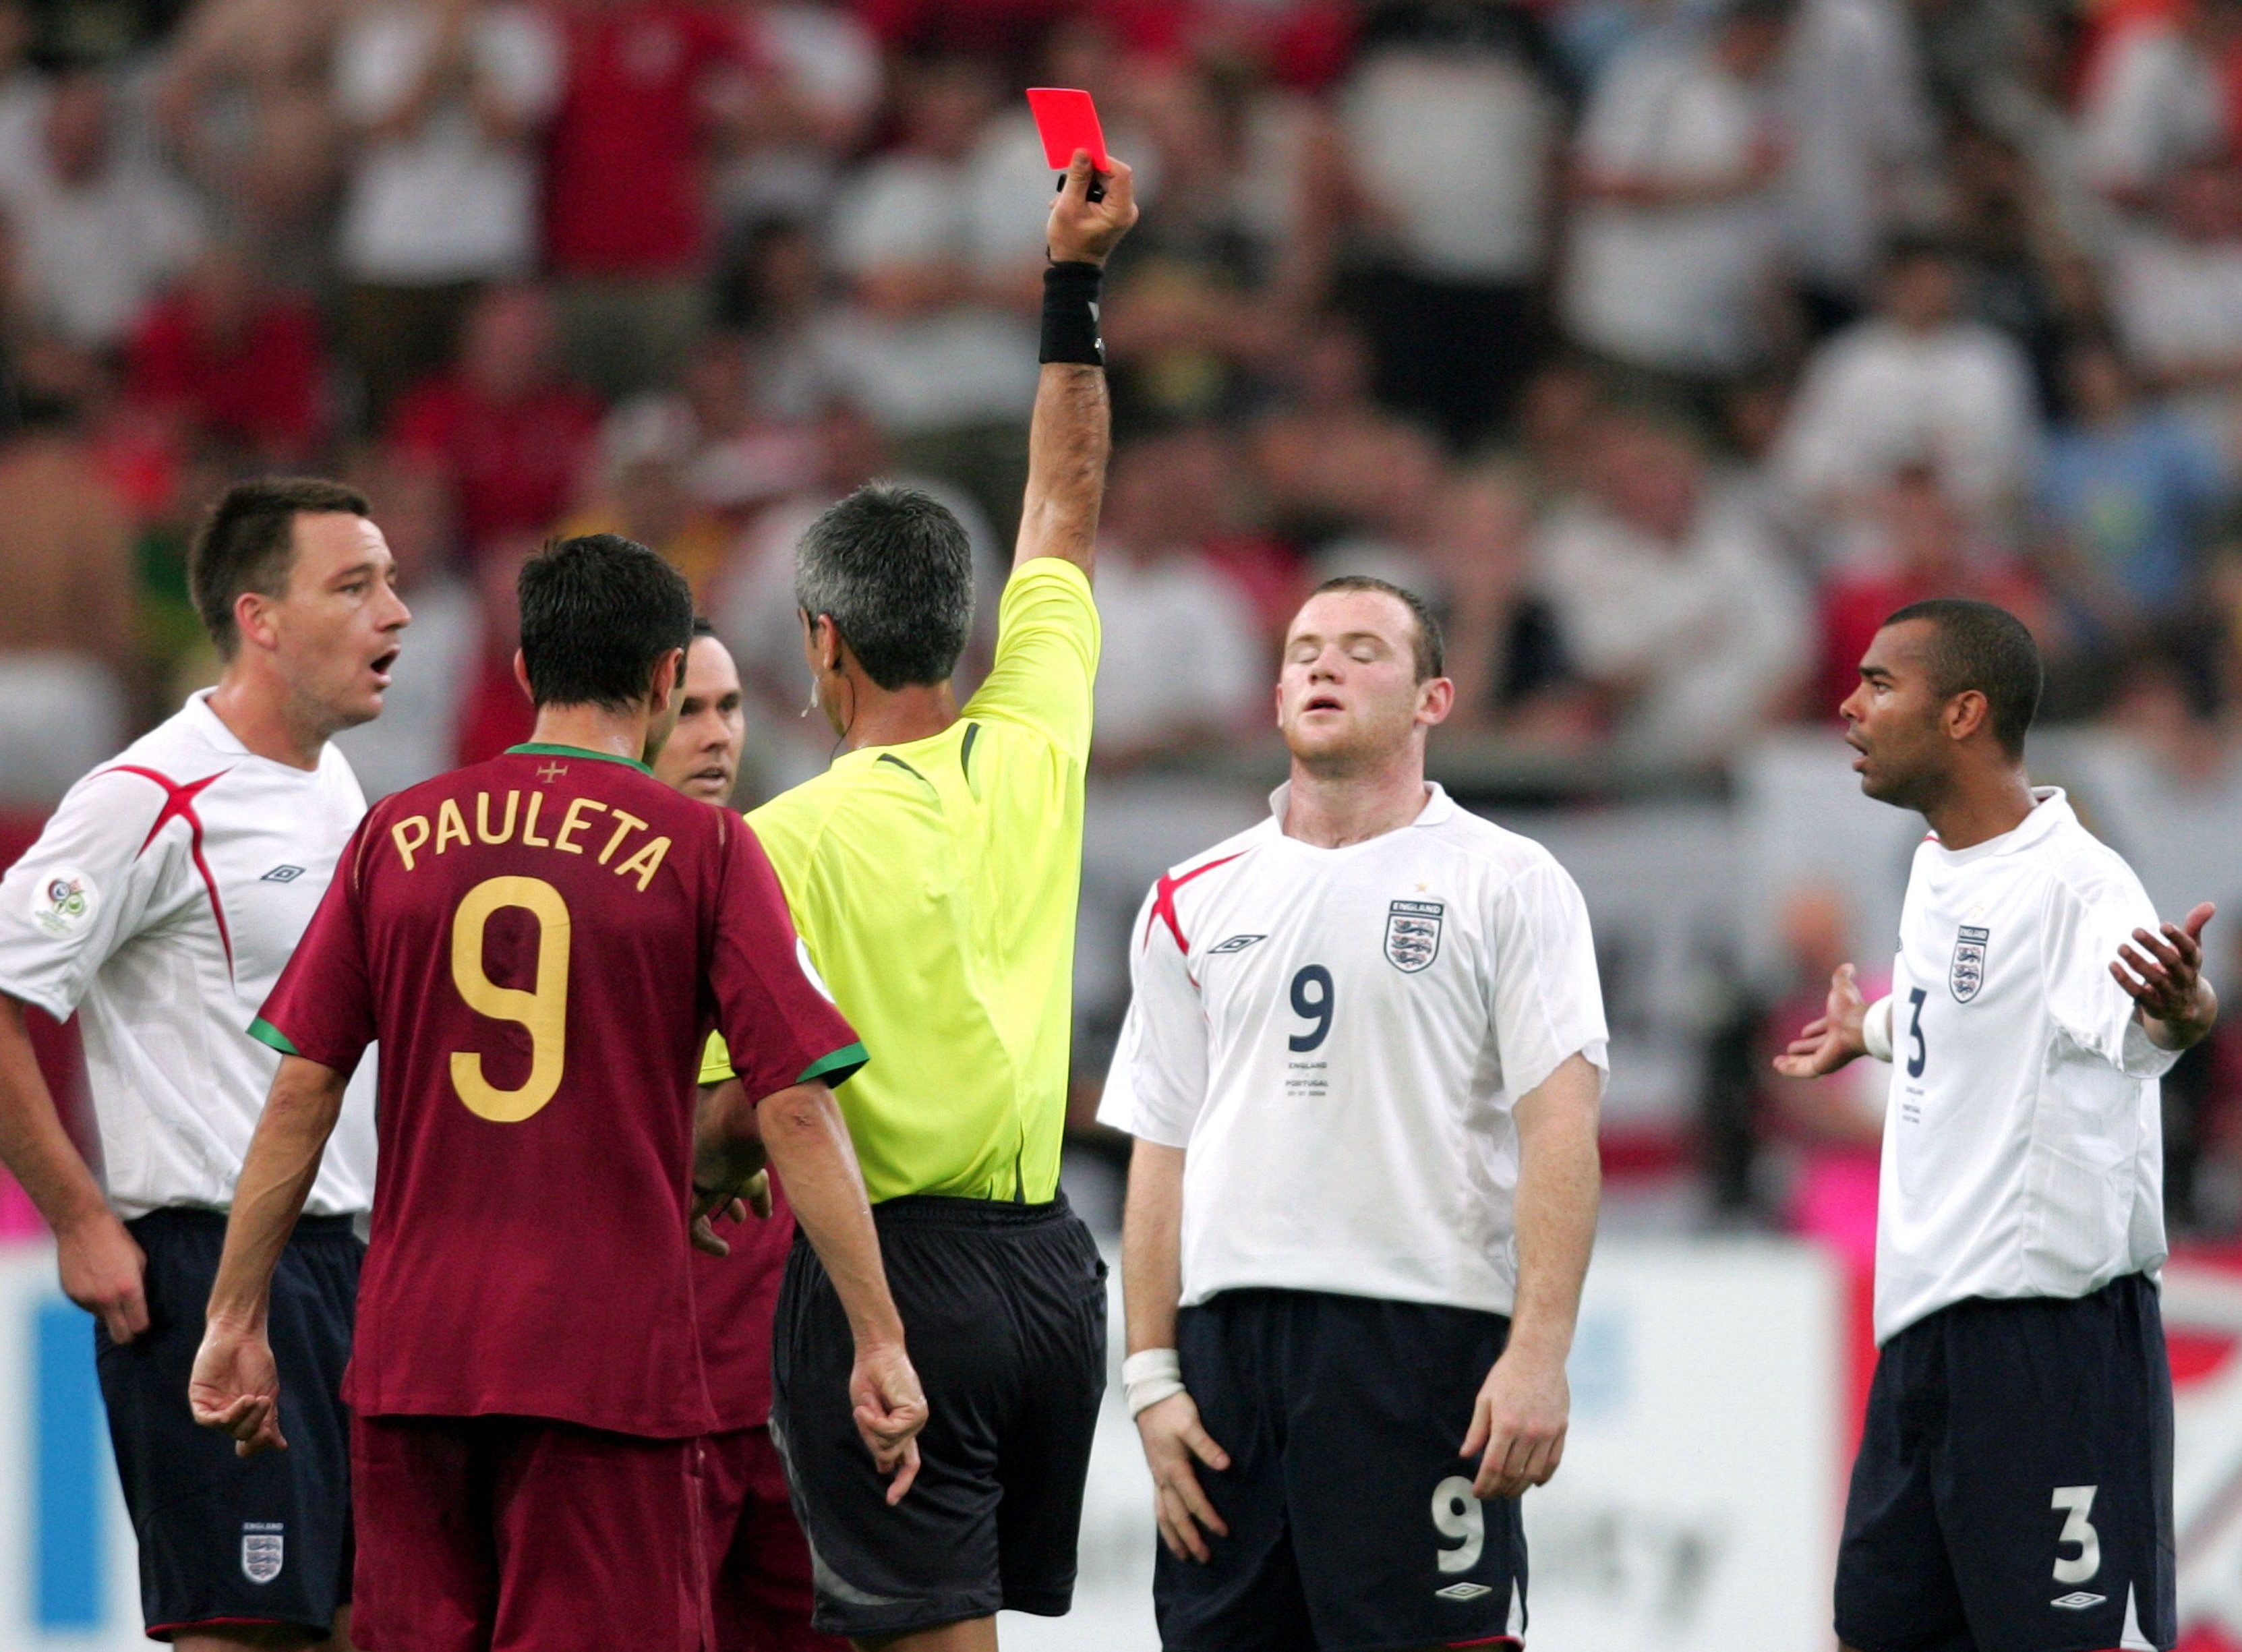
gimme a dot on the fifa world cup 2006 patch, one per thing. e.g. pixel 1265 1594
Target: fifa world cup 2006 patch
pixel 263 1548
pixel 65 901
pixel 1412 933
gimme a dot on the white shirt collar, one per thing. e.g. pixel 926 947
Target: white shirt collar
pixel 1439 808
pixel 2050 808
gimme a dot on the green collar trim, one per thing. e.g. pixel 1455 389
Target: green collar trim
pixel 547 748
pixel 836 1068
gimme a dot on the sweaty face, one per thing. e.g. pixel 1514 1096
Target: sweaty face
pixel 335 627
pixel 702 756
pixel 1347 694
pixel 1893 718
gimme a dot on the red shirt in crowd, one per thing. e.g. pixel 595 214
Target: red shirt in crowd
pixel 514 465
pixel 1854 608
pixel 541 945
pixel 623 177
pixel 264 387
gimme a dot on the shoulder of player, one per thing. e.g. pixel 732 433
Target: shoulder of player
pixel 1236 852
pixel 1502 856
pixel 2080 867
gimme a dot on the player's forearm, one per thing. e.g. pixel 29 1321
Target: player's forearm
pixel 1560 1179
pixel 808 1141
pixel 276 1178
pixel 1067 448
pixel 1152 1245
pixel 36 1148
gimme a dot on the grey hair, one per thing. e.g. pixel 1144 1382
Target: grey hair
pixel 893 570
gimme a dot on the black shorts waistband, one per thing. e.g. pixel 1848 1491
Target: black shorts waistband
pixel 936 1210
pixel 182 1219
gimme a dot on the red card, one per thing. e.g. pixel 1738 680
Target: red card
pixel 1067 120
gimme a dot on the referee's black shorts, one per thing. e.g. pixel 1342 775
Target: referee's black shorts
pixel 226 1540
pixel 1004 1307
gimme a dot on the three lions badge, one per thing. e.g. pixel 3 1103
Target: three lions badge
pixel 262 1548
pixel 1412 933
pixel 1966 975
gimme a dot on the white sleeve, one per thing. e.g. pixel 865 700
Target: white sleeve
pixel 1161 1064
pixel 82 892
pixel 1545 999
pixel 2089 913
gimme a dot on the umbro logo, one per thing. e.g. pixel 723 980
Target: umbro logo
pixel 282 875
pixel 1235 944
pixel 1462 1592
pixel 2078 1600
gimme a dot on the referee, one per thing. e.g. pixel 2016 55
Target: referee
pixel 933 872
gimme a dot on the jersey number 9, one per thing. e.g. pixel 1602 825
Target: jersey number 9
pixel 1311 1001
pixel 543 1010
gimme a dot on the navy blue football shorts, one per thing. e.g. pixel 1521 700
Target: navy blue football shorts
pixel 226 1541
pixel 1353 1525
pixel 2014 1489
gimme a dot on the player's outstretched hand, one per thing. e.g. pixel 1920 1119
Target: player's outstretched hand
pixel 2163 973
pixel 1518 1425
pixel 105 1272
pixel 1173 1436
pixel 1081 230
pixel 1827 1043
pixel 235 1388
pixel 890 1410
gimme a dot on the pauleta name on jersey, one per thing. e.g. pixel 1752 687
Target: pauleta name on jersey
pixel 412 834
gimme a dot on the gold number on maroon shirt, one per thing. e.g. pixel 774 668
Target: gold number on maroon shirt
pixel 543 1010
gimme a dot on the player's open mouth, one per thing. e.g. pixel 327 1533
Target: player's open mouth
pixel 714 776
pixel 1323 702
pixel 380 665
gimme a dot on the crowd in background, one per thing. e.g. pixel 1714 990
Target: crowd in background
pixel 1667 345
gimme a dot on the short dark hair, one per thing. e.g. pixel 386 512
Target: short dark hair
pixel 248 543
pixel 1975 645
pixel 598 612
pixel 702 628
pixel 1430 649
pixel 893 570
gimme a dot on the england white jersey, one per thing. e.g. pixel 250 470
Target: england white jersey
pixel 1337 1035
pixel 159 904
pixel 2024 1151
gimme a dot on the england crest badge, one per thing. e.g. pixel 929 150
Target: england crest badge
pixel 262 1547
pixel 1412 933
pixel 1967 973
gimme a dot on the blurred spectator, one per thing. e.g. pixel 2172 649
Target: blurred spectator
pixel 514 435
pixel 1326 455
pixel 646 493
pixel 244 97
pixel 1859 132
pixel 445 98
pixel 648 85
pixel 69 630
pixel 1914 384
pixel 773 291
pixel 230 359
pixel 1672 255
pixel 739 453
pixel 1506 651
pixel 2161 97
pixel 814 106
pixel 1672 603
pixel 418 733
pixel 1922 544
pixel 494 711
pixel 1834 1125
pixel 2175 287
pixel 98 232
pixel 1452 119
pixel 1182 668
pixel 936 345
pixel 2126 493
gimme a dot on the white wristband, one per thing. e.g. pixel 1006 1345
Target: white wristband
pixel 1876 1030
pixel 1150 1377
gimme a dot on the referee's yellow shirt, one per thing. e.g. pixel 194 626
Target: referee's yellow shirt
pixel 935 885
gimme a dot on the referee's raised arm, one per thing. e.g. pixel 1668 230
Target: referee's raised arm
pixel 1073 432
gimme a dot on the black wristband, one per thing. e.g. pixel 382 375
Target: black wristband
pixel 1071 315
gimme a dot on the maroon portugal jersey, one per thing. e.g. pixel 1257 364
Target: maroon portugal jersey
pixel 540 944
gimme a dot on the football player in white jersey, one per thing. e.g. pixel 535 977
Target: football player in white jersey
pixel 159 904
pixel 2013 1491
pixel 1363 1064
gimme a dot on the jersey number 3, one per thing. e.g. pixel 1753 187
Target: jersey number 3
pixel 543 1010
